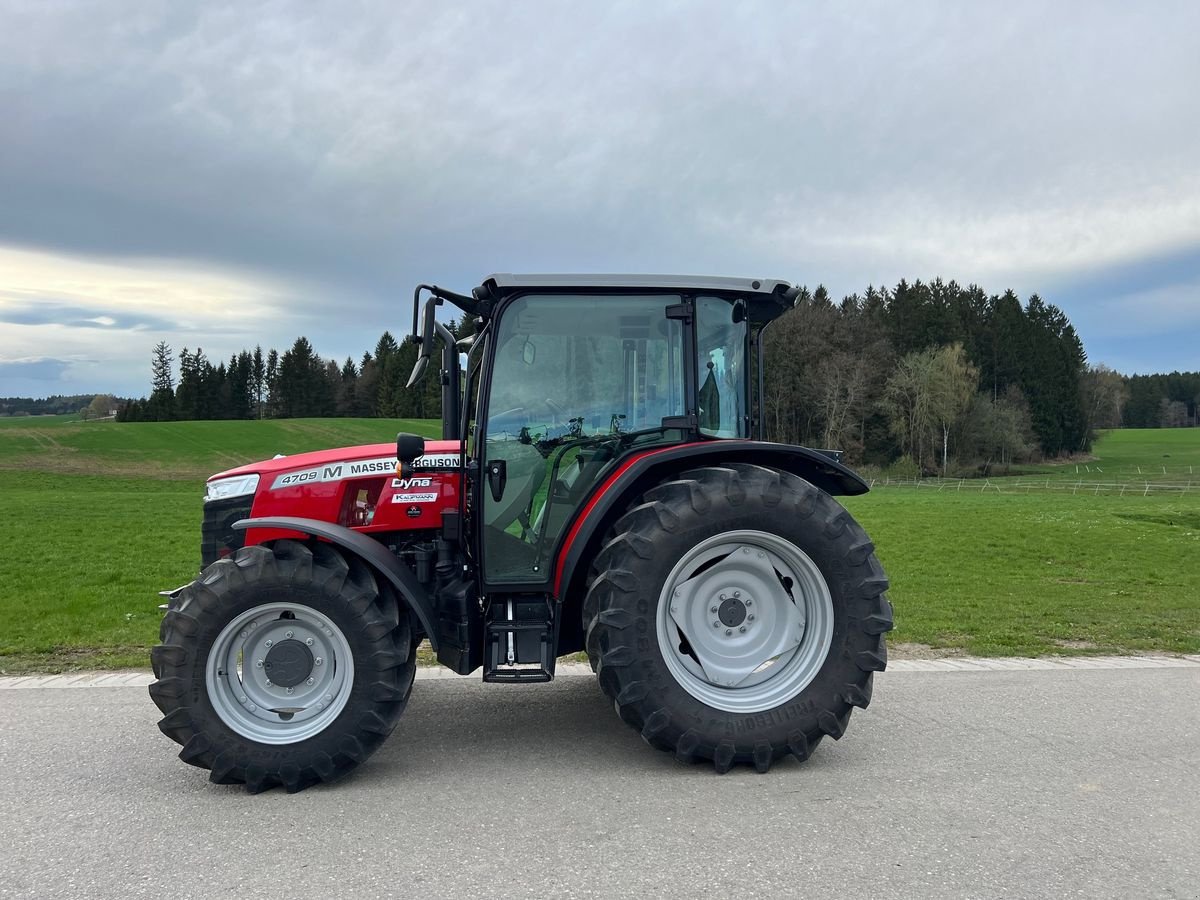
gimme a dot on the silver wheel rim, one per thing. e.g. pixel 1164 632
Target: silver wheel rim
pixel 238 673
pixel 756 615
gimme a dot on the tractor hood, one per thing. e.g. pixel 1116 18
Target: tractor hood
pixel 319 458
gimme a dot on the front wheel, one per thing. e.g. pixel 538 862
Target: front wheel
pixel 737 615
pixel 282 665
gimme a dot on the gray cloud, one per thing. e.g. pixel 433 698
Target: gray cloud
pixel 353 155
pixel 34 370
pixel 47 311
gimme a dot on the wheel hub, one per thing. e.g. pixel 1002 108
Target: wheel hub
pixel 745 620
pixel 732 613
pixel 279 673
pixel 288 663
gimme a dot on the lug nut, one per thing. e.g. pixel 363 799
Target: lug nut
pixel 749 602
pixel 751 618
pixel 716 624
pixel 742 629
pixel 712 609
pixel 728 632
pixel 737 594
pixel 722 597
pixel 287 634
pixel 269 643
pixel 269 683
pixel 310 681
pixel 244 633
pixel 259 664
pixel 318 660
pixel 291 690
pixel 308 641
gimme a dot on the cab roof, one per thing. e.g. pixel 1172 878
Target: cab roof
pixel 507 283
pixel 766 298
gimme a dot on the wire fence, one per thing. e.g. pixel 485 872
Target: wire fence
pixel 1018 485
pixel 1121 473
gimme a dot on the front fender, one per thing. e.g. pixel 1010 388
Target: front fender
pixel 369 551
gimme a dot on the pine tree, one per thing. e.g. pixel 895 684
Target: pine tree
pixel 162 397
pixel 258 381
pixel 272 383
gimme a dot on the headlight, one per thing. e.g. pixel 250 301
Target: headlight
pixel 230 487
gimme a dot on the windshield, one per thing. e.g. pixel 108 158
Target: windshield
pixel 576 380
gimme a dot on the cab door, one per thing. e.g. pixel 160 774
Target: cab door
pixel 575 382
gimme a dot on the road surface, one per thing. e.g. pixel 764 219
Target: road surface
pixel 1043 783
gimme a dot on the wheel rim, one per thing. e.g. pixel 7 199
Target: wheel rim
pixel 745 621
pixel 279 673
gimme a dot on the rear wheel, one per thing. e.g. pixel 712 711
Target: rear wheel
pixel 737 615
pixel 282 665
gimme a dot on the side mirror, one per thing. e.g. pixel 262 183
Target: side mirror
pixel 408 448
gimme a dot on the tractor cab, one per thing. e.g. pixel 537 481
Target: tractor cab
pixel 567 378
pixel 570 374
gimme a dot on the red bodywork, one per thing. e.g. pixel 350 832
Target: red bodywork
pixel 357 487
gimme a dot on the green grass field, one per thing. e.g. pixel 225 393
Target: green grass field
pixel 97 517
pixel 1032 574
pixel 1134 454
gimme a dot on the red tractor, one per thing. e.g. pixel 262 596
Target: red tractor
pixel 602 484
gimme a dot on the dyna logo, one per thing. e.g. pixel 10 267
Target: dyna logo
pixel 404 484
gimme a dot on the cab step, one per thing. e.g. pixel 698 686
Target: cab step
pixel 519 631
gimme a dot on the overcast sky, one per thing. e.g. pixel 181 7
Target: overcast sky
pixel 221 175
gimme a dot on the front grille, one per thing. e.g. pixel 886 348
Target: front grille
pixel 217 537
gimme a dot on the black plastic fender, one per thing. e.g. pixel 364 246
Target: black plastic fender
pixel 370 551
pixel 645 471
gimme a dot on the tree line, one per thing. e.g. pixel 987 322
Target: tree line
pixel 1162 401
pixel 935 372
pixel 945 376
pixel 297 383
pixel 56 405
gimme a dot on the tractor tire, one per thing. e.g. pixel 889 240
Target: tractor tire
pixel 737 614
pixel 282 665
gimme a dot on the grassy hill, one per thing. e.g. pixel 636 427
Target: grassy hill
pixel 1129 454
pixel 179 449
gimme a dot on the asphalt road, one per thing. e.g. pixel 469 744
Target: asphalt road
pixel 980 784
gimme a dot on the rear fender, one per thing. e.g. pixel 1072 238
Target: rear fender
pixel 641 473
pixel 370 552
